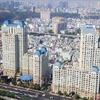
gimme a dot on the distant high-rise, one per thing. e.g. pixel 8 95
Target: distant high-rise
pixel 45 14
pixel 49 6
pixel 64 5
pixel 33 8
pixel 58 24
pixel 16 4
pixel 12 5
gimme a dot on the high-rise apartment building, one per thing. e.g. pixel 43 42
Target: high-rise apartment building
pixel 36 65
pixel 14 40
pixel 17 59
pixel 89 48
pixel 84 80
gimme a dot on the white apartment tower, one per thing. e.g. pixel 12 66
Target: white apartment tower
pixel 36 65
pixel 17 59
pixel 14 43
pixel 89 48
pixel 84 80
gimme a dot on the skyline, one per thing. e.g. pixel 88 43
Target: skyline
pixel 57 1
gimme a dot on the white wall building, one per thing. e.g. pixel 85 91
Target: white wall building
pixel 16 58
pixel 89 48
pixel 14 40
pixel 85 83
pixel 85 79
pixel 36 65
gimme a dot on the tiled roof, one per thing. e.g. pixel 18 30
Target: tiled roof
pixel 9 23
pixel 95 69
pixel 89 29
pixel 26 77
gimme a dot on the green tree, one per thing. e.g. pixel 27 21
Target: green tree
pixel 76 96
pixel 65 93
pixel 1 98
pixel 91 98
pixel 31 85
pixel 50 31
pixel 10 95
pixel 59 92
pixel 84 98
pixel 37 87
pixel 4 79
pixel 2 92
pixel 13 81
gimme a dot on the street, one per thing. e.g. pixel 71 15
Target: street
pixel 25 94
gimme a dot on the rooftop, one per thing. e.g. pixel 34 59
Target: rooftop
pixel 95 69
pixel 11 24
pixel 26 77
pixel 89 29
pixel 43 50
pixel 58 63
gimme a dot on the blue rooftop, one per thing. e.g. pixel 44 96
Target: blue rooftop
pixel 58 63
pixel 38 53
pixel 9 23
pixel 43 50
pixel 26 77
pixel 89 29
pixel 95 69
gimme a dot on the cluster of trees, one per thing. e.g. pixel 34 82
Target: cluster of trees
pixel 17 15
pixel 13 81
pixel 1 99
pixel 29 85
pixel 6 15
pixel 4 79
pixel 66 15
pixel 72 94
pixel 34 86
pixel 6 93
pixel 69 33
pixel 93 17
pixel 23 15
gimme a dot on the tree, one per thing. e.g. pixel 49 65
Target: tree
pixel 72 93
pixel 50 31
pixel 84 98
pixel 31 85
pixel 65 93
pixel 13 80
pixel 4 79
pixel 76 96
pixel 37 87
pixel 10 95
pixel 91 98
pixel 59 92
pixel 2 92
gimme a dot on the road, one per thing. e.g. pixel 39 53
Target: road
pixel 25 94
pixel 63 35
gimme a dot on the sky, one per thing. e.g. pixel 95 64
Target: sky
pixel 56 1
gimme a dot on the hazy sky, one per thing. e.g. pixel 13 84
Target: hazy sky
pixel 56 1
